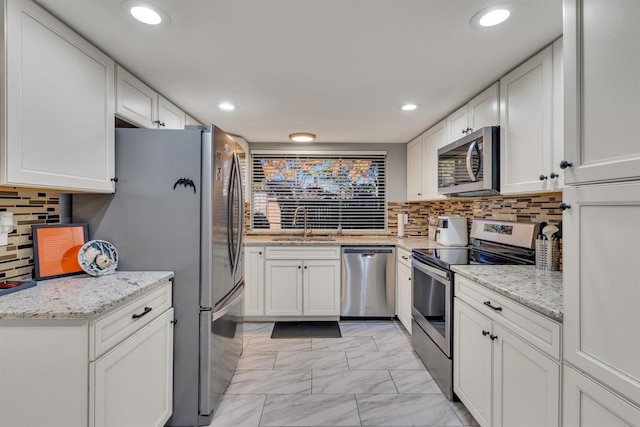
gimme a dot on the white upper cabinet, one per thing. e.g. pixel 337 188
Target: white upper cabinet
pixel 415 169
pixel 135 101
pixel 142 106
pixel 434 138
pixel 479 112
pixel 58 91
pixel 190 121
pixel 169 115
pixel 530 124
pixel 602 79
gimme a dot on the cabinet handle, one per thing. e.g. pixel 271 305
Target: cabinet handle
pixel 464 131
pixel 114 179
pixel 259 253
pixel 564 164
pixel 488 304
pixel 553 175
pixel 174 322
pixel 299 267
pixel 409 278
pixel 159 123
pixel 493 337
pixel 563 206
pixel 144 313
pixel 404 257
pixel 485 333
pixel 542 177
pixel 305 267
pixel 419 194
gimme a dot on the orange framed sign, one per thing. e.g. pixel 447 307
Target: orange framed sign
pixel 56 247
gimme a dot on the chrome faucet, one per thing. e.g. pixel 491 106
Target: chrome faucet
pixel 295 216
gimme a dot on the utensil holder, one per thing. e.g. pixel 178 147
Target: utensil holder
pixel 548 254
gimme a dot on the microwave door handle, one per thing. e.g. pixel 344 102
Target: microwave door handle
pixel 474 175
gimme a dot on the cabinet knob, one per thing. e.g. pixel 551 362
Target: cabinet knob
pixel 542 177
pixel 493 337
pixel 159 123
pixel 485 333
pixel 299 267
pixel 563 206
pixel 305 267
pixel 260 253
pixel 553 175
pixel 564 164
pixel 114 179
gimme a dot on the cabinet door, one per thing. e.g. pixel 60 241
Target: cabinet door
pixel 254 281
pixel 403 301
pixel 434 139
pixel 283 287
pixel 555 172
pixel 525 125
pixel 169 115
pixel 602 88
pixel 415 169
pixel 59 105
pixel 321 288
pixel 601 235
pixel 483 108
pixel 190 121
pixel 472 361
pixel 587 403
pixel 526 386
pixel 136 102
pixel 457 124
pixel 132 385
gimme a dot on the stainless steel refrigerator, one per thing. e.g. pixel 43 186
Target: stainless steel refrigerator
pixel 179 206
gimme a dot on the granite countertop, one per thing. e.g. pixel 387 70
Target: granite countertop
pixel 79 297
pixel 537 289
pixel 407 243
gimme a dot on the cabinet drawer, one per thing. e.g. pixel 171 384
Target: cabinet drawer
pixel 302 252
pixel 115 327
pixel 404 257
pixel 537 329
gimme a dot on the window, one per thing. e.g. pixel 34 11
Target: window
pixel 345 190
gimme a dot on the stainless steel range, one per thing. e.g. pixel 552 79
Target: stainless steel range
pixel 494 243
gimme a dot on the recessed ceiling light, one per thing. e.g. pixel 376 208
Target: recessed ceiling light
pixel 302 137
pixel 227 106
pixel 409 107
pixel 491 16
pixel 146 15
pixel 146 12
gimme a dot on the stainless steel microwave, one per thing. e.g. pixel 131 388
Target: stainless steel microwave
pixel 470 166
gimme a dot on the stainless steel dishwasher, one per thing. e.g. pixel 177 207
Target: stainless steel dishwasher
pixel 368 281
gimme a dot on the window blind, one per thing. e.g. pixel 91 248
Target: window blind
pixel 346 190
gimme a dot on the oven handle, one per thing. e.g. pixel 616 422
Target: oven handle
pixel 428 269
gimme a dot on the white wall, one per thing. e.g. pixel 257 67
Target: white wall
pixel 396 160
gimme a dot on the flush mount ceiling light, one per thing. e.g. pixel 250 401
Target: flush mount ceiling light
pixel 146 13
pixel 302 137
pixel 227 106
pixel 491 16
pixel 409 107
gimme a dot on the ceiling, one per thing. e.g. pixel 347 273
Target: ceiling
pixel 338 68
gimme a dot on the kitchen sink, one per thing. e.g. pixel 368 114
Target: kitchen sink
pixel 304 239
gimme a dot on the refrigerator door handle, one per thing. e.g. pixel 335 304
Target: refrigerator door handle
pixel 230 236
pixel 240 200
pixel 226 305
pixel 235 196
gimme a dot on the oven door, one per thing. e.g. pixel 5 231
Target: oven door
pixel 432 303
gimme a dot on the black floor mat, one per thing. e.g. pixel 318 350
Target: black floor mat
pixel 309 329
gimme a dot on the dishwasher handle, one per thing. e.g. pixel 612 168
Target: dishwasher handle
pixel 369 252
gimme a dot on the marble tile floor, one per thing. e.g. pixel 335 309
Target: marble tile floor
pixel 369 377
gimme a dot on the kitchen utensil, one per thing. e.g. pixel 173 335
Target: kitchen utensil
pixel 549 231
pixel 542 226
pixel 558 234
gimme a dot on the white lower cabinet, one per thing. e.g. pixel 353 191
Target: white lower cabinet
pixel 132 384
pixel 254 281
pixel 302 281
pixel 499 373
pixel 589 404
pixel 403 288
pixel 115 370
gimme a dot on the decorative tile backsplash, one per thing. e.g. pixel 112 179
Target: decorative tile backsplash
pixel 529 208
pixel 29 207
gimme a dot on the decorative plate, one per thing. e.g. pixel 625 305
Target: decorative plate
pixel 98 257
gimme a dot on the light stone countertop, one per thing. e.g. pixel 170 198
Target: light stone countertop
pixel 537 289
pixel 79 297
pixel 407 243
